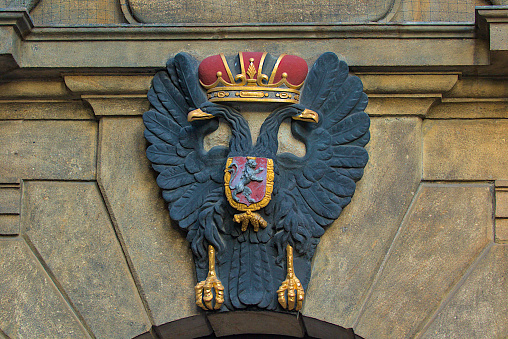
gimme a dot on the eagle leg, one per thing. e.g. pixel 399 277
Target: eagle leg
pixel 292 285
pixel 206 289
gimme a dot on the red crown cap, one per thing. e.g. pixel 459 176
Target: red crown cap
pixel 253 76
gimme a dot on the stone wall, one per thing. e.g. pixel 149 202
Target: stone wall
pixel 87 248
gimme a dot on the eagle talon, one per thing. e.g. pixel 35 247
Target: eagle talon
pixel 292 285
pixel 205 289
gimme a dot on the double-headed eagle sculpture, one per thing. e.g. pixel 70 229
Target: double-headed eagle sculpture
pixel 254 216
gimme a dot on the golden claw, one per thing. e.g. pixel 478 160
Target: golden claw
pixel 205 289
pixel 255 219
pixel 292 285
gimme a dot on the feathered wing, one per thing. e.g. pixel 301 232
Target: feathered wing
pixel 190 178
pixel 313 190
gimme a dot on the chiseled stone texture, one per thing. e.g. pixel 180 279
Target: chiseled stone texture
pixel 465 149
pixel 9 224
pixel 49 109
pixel 352 249
pixel 68 224
pixel 159 252
pixel 502 203
pixel 457 108
pixel 479 308
pixel 47 150
pixel 30 305
pixel 502 230
pixel 445 230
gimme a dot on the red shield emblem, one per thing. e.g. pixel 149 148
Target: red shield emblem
pixel 249 182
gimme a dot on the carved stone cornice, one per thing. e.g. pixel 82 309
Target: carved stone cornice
pixel 15 25
pixel 492 22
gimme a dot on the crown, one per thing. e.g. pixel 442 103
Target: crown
pixel 248 80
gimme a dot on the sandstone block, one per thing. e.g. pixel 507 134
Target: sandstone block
pixel 31 306
pixel 352 249
pixel 48 150
pixel 69 225
pixel 9 224
pixel 502 203
pixel 465 149
pixel 479 307
pixel 444 232
pixel 501 231
pixel 45 109
pixel 158 250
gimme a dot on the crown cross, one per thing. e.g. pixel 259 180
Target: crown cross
pixel 251 71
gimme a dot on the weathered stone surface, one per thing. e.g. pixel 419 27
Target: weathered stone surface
pixel 399 105
pixel 352 249
pixel 465 149
pixel 77 13
pixel 48 149
pixel 250 11
pixel 149 47
pixel 444 231
pixel 9 224
pixel 75 109
pixel 124 105
pixel 408 83
pixel 501 231
pixel 479 308
pixel 502 203
pixel 159 252
pixel 33 89
pixel 244 322
pixel 479 87
pixel 458 108
pixel 108 84
pixel 30 305
pixel 10 199
pixel 68 224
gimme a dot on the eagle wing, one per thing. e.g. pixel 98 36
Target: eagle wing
pixel 312 190
pixel 190 178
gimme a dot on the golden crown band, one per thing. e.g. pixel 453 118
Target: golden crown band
pixel 253 94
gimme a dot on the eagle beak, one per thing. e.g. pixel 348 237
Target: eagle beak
pixel 307 115
pixel 198 114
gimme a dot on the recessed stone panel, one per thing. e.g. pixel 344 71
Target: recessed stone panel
pixel 352 249
pixel 68 224
pixel 479 308
pixel 443 233
pixel 158 250
pixel 465 149
pixel 30 304
pixel 47 150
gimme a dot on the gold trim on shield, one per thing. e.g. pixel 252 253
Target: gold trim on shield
pixel 249 217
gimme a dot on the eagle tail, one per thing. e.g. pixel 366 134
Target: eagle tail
pixel 250 280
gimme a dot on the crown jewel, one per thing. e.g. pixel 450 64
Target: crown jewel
pixel 253 77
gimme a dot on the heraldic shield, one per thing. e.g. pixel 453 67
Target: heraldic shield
pixel 249 185
pixel 253 213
